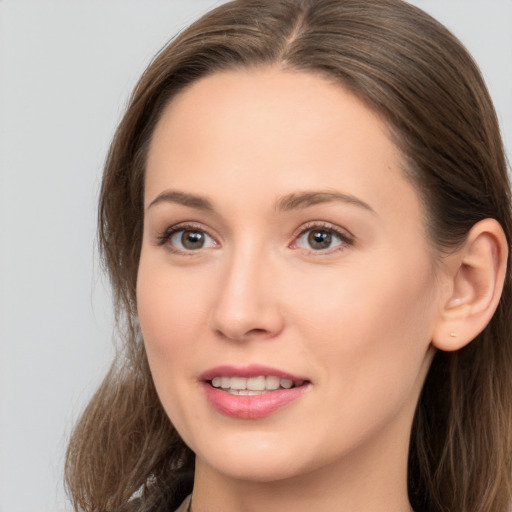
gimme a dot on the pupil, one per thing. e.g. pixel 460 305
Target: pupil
pixel 319 239
pixel 192 239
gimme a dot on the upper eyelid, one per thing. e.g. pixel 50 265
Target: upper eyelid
pixel 327 226
pixel 162 237
pixel 191 225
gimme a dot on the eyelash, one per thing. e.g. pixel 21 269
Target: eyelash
pixel 345 239
pixel 164 237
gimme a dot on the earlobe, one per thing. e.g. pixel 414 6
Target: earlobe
pixel 477 274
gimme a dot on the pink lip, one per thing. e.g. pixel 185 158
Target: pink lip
pixel 250 407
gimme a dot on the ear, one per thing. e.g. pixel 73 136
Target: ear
pixel 476 273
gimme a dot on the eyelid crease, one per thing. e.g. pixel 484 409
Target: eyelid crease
pixel 325 226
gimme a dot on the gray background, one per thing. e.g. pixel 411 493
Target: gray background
pixel 66 70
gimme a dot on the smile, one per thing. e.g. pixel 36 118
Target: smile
pixel 253 386
pixel 251 392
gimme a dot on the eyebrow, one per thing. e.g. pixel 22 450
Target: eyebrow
pixel 310 198
pixel 294 201
pixel 190 200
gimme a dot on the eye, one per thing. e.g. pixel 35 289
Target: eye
pixel 191 240
pixel 321 238
pixel 186 238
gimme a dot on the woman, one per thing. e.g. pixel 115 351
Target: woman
pixel 305 215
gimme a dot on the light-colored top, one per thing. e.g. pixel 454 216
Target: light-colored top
pixel 185 506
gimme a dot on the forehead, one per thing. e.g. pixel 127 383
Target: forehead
pixel 246 101
pixel 265 132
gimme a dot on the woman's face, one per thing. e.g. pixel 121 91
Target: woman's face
pixel 283 247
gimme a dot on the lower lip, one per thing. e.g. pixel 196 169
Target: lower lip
pixel 253 406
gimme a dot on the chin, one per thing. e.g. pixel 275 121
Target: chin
pixel 260 471
pixel 254 460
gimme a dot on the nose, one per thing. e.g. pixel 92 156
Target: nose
pixel 247 305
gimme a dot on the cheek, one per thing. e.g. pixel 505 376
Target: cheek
pixel 368 337
pixel 368 298
pixel 171 306
pixel 371 324
pixel 170 310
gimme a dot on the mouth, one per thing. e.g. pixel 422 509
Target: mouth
pixel 253 391
pixel 253 386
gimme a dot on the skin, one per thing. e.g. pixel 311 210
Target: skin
pixel 356 319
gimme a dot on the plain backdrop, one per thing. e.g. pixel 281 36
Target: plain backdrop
pixel 66 70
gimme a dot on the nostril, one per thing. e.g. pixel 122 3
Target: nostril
pixel 256 332
pixel 234 334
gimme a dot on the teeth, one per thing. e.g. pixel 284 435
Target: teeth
pixel 272 382
pixel 245 392
pixel 256 383
pixel 286 383
pixel 238 383
pixel 253 385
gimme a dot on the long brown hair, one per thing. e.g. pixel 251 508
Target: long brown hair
pixel 418 77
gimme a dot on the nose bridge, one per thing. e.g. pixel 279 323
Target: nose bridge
pixel 246 303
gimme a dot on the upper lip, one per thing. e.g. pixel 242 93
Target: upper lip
pixel 252 370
